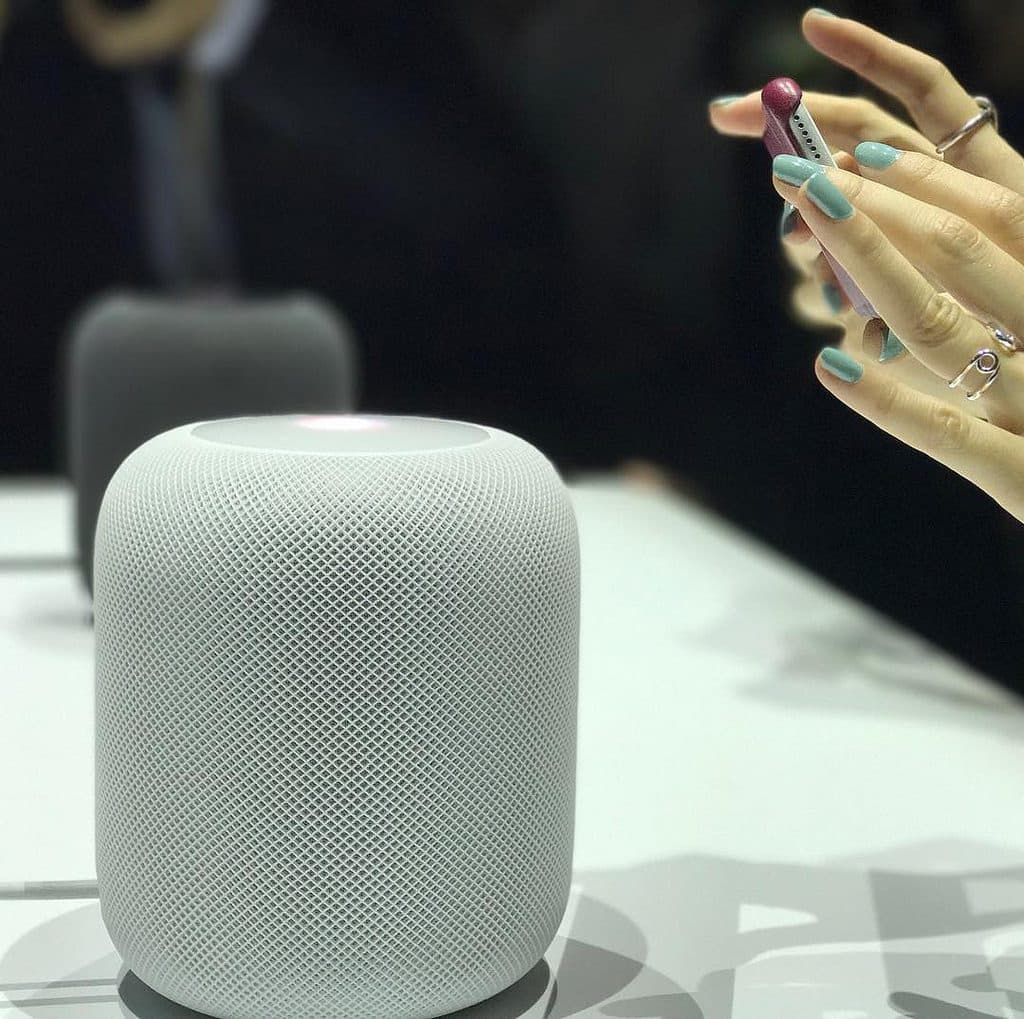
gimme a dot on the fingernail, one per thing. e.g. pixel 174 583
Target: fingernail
pixel 787 221
pixel 827 197
pixel 876 155
pixel 822 12
pixel 794 169
pixel 725 100
pixel 841 365
pixel 833 297
pixel 892 347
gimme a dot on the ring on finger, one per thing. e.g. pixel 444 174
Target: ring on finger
pixel 986 363
pixel 1007 340
pixel 986 113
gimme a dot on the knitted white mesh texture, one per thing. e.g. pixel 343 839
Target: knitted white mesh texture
pixel 336 724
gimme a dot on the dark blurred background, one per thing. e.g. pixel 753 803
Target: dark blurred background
pixel 521 209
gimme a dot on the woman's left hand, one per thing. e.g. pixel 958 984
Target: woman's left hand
pixel 905 228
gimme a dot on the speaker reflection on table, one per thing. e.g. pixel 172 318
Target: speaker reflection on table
pixel 138 365
pixel 336 667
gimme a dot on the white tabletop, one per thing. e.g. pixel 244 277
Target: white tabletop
pixel 35 521
pixel 787 807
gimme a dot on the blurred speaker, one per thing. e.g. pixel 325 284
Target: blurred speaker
pixel 139 365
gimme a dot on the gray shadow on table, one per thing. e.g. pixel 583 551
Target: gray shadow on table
pixel 62 623
pixel 851 660
pixel 587 976
pixel 858 937
pixel 35 563
pixel 877 935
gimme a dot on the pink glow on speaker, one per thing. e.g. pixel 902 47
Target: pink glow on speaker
pixel 339 423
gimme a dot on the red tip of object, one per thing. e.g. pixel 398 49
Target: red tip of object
pixel 781 96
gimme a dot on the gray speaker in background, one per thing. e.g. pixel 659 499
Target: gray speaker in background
pixel 138 365
pixel 336 691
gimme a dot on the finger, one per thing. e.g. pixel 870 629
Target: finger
pixel 881 344
pixel 792 229
pixel 829 290
pixel 989 457
pixel 996 210
pixel 846 161
pixel 944 246
pixel 809 306
pixel 799 245
pixel 739 115
pixel 937 331
pixel 812 305
pixel 874 341
pixel 938 103
pixel 843 122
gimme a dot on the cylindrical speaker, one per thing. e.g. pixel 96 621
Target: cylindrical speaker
pixel 138 365
pixel 336 714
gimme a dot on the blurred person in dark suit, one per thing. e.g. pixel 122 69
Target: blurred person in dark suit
pixel 67 220
pixel 174 53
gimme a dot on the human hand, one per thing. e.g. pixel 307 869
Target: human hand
pixel 936 245
pixel 908 220
pixel 926 88
pixel 935 100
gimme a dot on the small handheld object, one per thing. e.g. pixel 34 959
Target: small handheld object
pixel 790 130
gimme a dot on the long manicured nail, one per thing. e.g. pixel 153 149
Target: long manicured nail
pixel 892 346
pixel 794 169
pixel 876 155
pixel 787 221
pixel 833 297
pixel 841 365
pixel 822 12
pixel 827 197
pixel 725 100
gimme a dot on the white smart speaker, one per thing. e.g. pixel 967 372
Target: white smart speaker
pixel 336 684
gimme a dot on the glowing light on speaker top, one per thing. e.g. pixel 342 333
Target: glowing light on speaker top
pixel 338 423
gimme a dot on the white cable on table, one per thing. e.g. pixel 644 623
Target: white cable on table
pixel 27 890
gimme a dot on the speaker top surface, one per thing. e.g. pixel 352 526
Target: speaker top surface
pixel 342 434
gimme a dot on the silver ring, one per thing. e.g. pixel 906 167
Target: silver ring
pixel 986 112
pixel 986 363
pixel 1010 343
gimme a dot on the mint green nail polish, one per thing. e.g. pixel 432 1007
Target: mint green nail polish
pixel 892 347
pixel 833 297
pixel 876 155
pixel 822 12
pixel 827 197
pixel 841 365
pixel 794 169
pixel 725 100
pixel 787 221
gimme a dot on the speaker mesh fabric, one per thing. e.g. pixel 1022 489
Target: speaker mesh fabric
pixel 336 724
